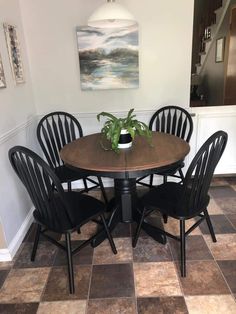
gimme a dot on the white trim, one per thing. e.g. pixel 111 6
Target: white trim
pixel 5 255
pixel 8 254
pixel 9 134
pixel 216 115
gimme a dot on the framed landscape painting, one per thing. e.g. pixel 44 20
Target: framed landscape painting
pixel 108 58
pixel 2 75
pixel 13 48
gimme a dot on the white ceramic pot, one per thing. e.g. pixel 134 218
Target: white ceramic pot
pixel 125 140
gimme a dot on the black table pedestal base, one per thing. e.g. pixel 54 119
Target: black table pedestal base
pixel 123 208
pixel 155 233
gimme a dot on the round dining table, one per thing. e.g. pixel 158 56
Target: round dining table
pixel 87 154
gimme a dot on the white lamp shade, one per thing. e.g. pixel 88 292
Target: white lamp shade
pixel 111 15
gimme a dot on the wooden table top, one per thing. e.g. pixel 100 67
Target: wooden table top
pixel 87 154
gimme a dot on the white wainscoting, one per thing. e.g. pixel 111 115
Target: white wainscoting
pixel 16 207
pixel 210 123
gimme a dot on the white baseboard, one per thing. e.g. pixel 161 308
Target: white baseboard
pixel 8 254
pixel 5 255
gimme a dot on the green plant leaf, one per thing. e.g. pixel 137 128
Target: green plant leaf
pixel 113 125
pixel 131 131
pixel 106 114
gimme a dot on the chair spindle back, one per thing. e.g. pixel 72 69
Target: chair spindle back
pixel 43 186
pixel 54 131
pixel 172 120
pixel 200 172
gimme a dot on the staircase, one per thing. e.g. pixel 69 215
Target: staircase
pixel 209 36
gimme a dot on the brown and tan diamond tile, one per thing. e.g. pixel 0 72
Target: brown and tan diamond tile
pixel 162 305
pixel 196 248
pixel 172 226
pixel 203 277
pixel 228 269
pixel 20 308
pixel 213 208
pixel 148 250
pixel 220 192
pixel 24 285
pixel 224 248
pixel 108 306
pixel 83 257
pixel 45 255
pixel 219 182
pixel 227 205
pixel 30 236
pixel 220 223
pixel 215 304
pixel 112 281
pixel 86 232
pixel 57 287
pixel 6 265
pixel 104 255
pixel 63 307
pixel 232 219
pixel 3 276
pixel 156 279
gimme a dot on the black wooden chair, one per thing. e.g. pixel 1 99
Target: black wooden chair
pixel 189 199
pixel 56 210
pixel 54 131
pixel 176 121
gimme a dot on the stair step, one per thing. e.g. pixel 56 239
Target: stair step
pixel 202 53
pixel 224 2
pixel 218 11
pixel 198 65
pixel 213 28
pixel 207 40
pixel 218 14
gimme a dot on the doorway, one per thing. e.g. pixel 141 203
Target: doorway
pixel 230 76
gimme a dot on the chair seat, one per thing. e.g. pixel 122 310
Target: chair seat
pixel 166 199
pixel 81 209
pixel 66 174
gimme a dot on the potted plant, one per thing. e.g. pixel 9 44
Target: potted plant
pixel 121 131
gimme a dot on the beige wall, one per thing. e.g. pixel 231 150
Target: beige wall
pixel 16 101
pixel 17 113
pixel 2 238
pixel 165 36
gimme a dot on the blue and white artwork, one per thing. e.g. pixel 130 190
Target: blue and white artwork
pixel 108 57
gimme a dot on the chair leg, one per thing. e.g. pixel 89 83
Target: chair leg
pixel 112 244
pixel 103 190
pixel 85 185
pixel 182 248
pixel 138 229
pixel 208 220
pixel 164 179
pixel 36 242
pixel 69 186
pixel 70 263
pixel 181 175
pixel 165 218
pixel 151 180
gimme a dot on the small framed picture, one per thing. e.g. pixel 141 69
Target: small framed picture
pixel 220 47
pixel 2 75
pixel 13 48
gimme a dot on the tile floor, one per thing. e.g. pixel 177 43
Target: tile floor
pixel 141 280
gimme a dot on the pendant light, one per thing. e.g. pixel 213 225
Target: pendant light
pixel 111 15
